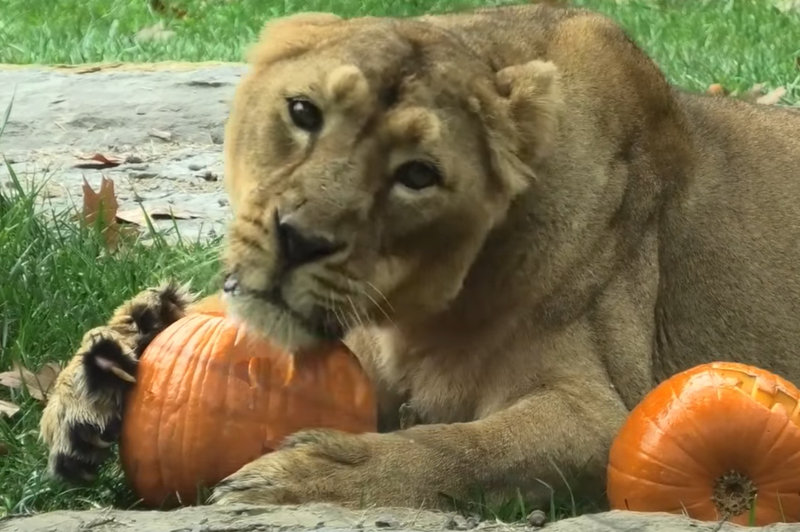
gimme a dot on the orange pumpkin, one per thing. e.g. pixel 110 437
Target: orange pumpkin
pixel 211 397
pixel 720 440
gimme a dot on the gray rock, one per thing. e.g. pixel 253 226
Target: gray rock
pixel 329 518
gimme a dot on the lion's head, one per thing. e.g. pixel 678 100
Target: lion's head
pixel 367 160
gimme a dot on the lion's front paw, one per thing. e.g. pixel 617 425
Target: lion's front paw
pixel 82 417
pixel 329 466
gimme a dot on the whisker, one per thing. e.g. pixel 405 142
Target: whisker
pixel 355 312
pixel 391 321
pixel 377 291
pixel 330 285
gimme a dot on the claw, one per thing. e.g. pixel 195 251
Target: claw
pixel 99 442
pixel 122 374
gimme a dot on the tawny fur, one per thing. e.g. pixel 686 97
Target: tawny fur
pixel 597 230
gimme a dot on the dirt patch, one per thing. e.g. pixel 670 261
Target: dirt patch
pixel 164 120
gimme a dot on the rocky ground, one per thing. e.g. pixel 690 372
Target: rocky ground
pixel 163 122
pixel 328 518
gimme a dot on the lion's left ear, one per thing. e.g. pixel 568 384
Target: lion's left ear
pixel 523 125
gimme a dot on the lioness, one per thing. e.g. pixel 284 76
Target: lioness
pixel 510 216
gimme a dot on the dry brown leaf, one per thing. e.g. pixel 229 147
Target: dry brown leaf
pixel 716 89
pixel 38 384
pixel 97 161
pixel 772 97
pixel 7 409
pixel 137 216
pixel 92 202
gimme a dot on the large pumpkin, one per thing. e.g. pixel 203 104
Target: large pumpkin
pixel 211 397
pixel 720 440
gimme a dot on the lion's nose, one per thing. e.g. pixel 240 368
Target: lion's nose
pixel 299 246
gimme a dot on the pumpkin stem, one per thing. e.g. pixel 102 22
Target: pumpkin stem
pixel 734 494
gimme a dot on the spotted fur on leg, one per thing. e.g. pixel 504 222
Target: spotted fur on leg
pixel 82 418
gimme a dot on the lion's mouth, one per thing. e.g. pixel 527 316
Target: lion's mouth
pixel 320 323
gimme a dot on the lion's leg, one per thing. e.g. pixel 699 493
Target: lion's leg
pixel 562 431
pixel 83 414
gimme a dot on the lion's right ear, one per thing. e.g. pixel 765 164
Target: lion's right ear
pixel 291 34
pixel 533 91
pixel 522 124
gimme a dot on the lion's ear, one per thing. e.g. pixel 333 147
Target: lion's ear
pixel 525 131
pixel 291 34
pixel 534 98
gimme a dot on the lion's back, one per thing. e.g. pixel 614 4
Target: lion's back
pixel 731 260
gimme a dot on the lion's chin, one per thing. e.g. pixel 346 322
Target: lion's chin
pixel 278 324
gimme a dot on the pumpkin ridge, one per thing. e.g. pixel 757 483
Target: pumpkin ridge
pixel 698 487
pixel 688 417
pixel 191 346
pixel 194 346
pixel 783 431
pixel 652 458
pixel 166 340
pixel 211 332
pixel 791 457
pixel 665 433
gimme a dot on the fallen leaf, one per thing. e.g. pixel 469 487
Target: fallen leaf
pixel 97 161
pixel 7 409
pixel 38 385
pixel 154 33
pixel 716 89
pixel 105 200
pixel 137 216
pixel 772 97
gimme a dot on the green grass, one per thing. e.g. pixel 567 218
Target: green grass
pixel 734 42
pixel 60 282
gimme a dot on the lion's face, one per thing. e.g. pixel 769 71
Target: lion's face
pixel 362 180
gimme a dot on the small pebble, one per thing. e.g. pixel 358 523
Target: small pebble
pixel 218 135
pixel 537 518
pixel 133 159
pixel 386 523
pixel 194 167
pixel 208 175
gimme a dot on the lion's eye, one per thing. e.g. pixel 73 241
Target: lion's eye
pixel 417 175
pixel 305 115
